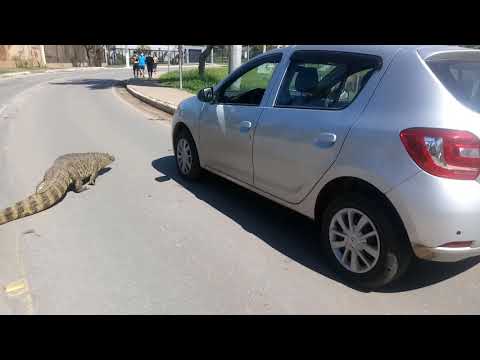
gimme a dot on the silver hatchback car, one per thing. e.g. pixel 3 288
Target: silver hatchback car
pixel 378 144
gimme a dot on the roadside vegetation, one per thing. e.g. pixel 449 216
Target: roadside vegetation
pixel 191 80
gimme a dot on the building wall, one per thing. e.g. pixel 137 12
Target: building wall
pixel 20 56
pixel 71 55
pixel 74 55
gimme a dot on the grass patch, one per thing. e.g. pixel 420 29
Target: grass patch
pixel 191 80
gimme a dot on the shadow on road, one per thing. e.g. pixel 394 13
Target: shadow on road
pixel 101 84
pixel 289 232
pixel 424 273
pixel 93 84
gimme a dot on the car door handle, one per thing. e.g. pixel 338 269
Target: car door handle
pixel 245 126
pixel 325 139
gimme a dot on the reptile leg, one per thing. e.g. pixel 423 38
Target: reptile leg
pixel 93 178
pixel 79 187
pixel 40 186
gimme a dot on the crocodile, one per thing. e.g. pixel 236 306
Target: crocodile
pixel 67 171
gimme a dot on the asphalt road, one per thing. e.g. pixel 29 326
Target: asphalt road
pixel 142 241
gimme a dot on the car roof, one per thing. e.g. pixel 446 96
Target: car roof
pixel 380 50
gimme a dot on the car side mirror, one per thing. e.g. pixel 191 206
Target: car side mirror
pixel 206 95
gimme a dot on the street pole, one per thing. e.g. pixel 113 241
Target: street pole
pixel 42 55
pixel 168 58
pixel 264 48
pixel 248 52
pixel 126 56
pixel 235 58
pixel 180 63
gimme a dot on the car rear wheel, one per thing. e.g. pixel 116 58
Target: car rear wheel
pixel 363 241
pixel 186 156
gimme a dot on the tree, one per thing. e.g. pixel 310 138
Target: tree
pixel 256 50
pixel 88 50
pixel 203 59
pixel 77 55
pixel 94 54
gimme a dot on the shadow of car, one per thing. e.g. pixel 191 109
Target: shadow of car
pixel 291 233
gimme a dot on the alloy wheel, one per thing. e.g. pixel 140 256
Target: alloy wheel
pixel 354 240
pixel 184 156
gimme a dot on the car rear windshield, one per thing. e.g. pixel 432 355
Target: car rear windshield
pixel 459 72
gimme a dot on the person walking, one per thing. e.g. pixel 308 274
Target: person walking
pixel 134 60
pixel 141 64
pixel 155 62
pixel 149 61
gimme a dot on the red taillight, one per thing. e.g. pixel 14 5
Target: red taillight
pixel 446 153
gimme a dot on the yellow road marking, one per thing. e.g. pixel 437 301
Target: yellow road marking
pixel 17 287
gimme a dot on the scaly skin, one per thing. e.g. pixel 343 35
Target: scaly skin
pixel 66 170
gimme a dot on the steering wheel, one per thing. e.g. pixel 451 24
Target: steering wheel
pixel 337 93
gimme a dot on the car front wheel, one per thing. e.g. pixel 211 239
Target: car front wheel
pixel 186 155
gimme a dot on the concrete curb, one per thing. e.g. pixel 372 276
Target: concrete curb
pixel 159 104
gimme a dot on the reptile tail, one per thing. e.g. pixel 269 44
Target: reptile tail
pixel 33 204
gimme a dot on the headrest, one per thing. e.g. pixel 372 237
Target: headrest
pixel 307 79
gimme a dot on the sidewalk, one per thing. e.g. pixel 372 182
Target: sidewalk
pixel 163 98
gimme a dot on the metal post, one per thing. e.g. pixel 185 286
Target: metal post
pixel 180 63
pixel 168 58
pixel 127 56
pixel 264 48
pixel 235 58
pixel 211 56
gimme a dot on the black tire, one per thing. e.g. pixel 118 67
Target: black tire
pixel 194 171
pixel 395 251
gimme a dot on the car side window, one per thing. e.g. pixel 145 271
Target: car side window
pixel 321 80
pixel 249 88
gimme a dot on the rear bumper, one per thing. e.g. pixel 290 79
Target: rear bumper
pixel 437 211
pixel 444 254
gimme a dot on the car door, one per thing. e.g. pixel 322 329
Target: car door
pixel 226 126
pixel 298 138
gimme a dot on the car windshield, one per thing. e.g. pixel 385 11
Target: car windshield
pixel 459 72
